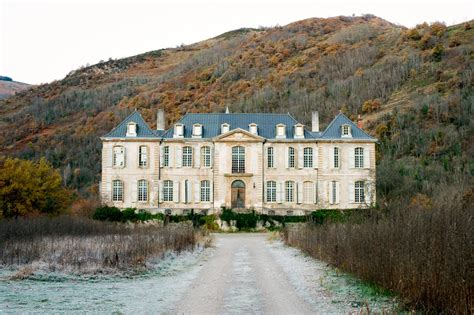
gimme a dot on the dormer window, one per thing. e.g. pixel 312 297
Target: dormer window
pixel 280 131
pixel 178 131
pixel 131 129
pixel 346 131
pixel 197 131
pixel 225 128
pixel 253 129
pixel 299 131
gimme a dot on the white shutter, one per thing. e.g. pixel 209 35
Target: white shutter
pixel 197 159
pixel 211 191
pixel 176 191
pixel 279 192
pixel 171 156
pixel 190 191
pixel 315 195
pixel 366 158
pixel 124 157
pixel 179 156
pixel 197 191
pixel 330 192
pixel 161 156
pixel 134 191
pixel 286 157
pixel 299 189
pixel 351 158
pixel 300 157
pixel 315 157
pixel 184 198
pixel 212 157
pixel 351 192
pixel 161 191
pixel 338 192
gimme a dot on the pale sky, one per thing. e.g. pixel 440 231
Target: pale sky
pixel 42 41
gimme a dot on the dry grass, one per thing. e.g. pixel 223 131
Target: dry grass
pixel 83 245
pixel 424 254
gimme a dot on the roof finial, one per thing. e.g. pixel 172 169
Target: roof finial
pixel 227 110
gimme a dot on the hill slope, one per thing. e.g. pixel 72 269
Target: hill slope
pixel 9 87
pixel 412 86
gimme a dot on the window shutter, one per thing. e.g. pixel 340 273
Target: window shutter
pixel 176 191
pixel 161 191
pixel 184 197
pixel 300 157
pixel 134 191
pixel 179 156
pixel 299 188
pixel 366 158
pixel 211 191
pixel 286 157
pixel 330 192
pixel 124 157
pixel 315 157
pixel 351 192
pixel 338 192
pixel 280 192
pixel 197 159
pixel 351 158
pixel 315 195
pixel 161 156
pixel 197 191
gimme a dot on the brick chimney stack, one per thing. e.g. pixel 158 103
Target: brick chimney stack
pixel 315 122
pixel 160 120
pixel 359 122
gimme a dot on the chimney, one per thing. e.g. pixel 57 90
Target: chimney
pixel 359 122
pixel 160 120
pixel 315 122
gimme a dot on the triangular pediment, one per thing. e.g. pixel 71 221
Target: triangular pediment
pixel 238 134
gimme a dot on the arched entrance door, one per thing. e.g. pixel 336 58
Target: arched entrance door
pixel 238 194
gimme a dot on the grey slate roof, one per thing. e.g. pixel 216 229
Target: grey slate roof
pixel 211 124
pixel 333 130
pixel 143 131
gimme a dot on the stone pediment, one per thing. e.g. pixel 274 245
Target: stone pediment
pixel 237 135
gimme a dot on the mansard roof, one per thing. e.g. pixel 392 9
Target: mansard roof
pixel 334 129
pixel 143 131
pixel 211 124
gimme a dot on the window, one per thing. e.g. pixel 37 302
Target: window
pixel 334 192
pixel 281 131
pixel 142 190
pixel 271 191
pixel 336 158
pixel 187 156
pixel 290 191
pixel 346 131
pixel 178 131
pixel 270 157
pixel 142 156
pixel 206 156
pixel 359 157
pixel 167 190
pixel 205 190
pixel 166 156
pixel 197 130
pixel 119 156
pixel 117 190
pixel 308 157
pixel 359 191
pixel 299 131
pixel 291 157
pixel 225 128
pixel 131 129
pixel 308 192
pixel 238 160
pixel 253 129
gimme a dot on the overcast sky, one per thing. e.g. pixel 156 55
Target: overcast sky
pixel 42 41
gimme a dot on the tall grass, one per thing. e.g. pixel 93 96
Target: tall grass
pixel 84 245
pixel 424 253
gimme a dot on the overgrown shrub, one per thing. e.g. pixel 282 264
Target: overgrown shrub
pixel 113 214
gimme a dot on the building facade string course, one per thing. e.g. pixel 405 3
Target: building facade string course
pixel 266 162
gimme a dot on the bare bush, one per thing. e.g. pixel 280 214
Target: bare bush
pixel 83 245
pixel 422 251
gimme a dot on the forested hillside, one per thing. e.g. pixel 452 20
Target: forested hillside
pixel 413 88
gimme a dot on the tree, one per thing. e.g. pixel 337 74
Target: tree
pixel 29 188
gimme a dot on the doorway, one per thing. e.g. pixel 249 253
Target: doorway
pixel 238 194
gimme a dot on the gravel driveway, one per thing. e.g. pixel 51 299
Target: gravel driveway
pixel 248 274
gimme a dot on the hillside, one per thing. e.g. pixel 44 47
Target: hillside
pixel 9 87
pixel 413 88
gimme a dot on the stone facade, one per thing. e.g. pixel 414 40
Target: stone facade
pixel 296 172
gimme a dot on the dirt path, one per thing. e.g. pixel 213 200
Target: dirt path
pixel 247 274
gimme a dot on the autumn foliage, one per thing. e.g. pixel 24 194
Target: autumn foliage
pixel 30 188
